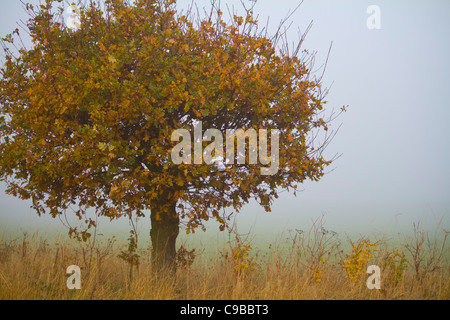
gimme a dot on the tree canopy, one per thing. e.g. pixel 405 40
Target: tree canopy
pixel 87 114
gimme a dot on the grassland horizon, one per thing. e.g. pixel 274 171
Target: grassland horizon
pixel 315 263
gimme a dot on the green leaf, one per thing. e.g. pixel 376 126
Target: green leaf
pixel 112 59
pixel 102 146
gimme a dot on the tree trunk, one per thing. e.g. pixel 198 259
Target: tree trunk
pixel 163 233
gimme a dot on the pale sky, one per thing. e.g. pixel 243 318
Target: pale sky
pixel 394 137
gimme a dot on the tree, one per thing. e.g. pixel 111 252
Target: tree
pixel 88 115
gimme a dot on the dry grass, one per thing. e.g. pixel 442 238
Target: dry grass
pixel 309 265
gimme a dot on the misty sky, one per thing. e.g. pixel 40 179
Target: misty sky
pixel 394 137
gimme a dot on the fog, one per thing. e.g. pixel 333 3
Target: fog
pixel 393 140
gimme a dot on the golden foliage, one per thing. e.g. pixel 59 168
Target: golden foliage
pixel 356 262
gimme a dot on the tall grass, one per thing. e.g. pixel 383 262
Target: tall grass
pixel 302 265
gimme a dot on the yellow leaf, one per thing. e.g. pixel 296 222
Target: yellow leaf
pixel 102 146
pixel 112 59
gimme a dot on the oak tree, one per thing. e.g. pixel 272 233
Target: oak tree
pixel 87 114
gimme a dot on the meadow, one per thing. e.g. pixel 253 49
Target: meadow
pixel 303 264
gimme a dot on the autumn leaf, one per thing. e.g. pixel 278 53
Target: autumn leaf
pixel 101 46
pixel 102 146
pixel 112 60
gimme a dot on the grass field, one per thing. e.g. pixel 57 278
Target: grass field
pixel 312 264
